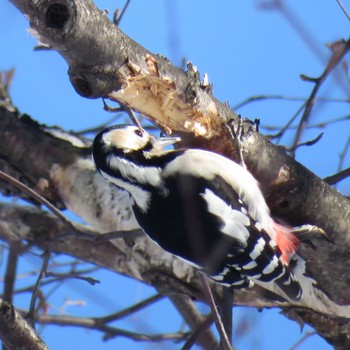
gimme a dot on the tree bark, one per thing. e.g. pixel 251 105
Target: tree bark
pixel 15 332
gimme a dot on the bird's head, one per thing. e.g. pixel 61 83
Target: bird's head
pixel 123 141
pixel 131 138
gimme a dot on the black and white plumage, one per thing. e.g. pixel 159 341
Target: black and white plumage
pixel 201 207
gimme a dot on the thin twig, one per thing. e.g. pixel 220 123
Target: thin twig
pixel 258 98
pixel 302 339
pixel 133 117
pixel 343 153
pixel 334 179
pixel 220 327
pixel 344 10
pixel 117 18
pixel 191 315
pixel 320 125
pixel 226 308
pixel 61 276
pixel 31 312
pixel 287 126
pixel 196 334
pixel 306 143
pixel 130 310
pixel 339 51
pixel 123 108
pixel 110 332
pixel 52 280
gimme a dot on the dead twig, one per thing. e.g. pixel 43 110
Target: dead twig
pixel 334 179
pixel 306 336
pixel 31 312
pixel 219 325
pixel 258 98
pixel 196 334
pixel 118 17
pixel 132 309
pixel 343 9
pixel 61 276
pixel 343 154
pixel 339 49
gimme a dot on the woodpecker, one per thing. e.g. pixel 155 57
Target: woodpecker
pixel 200 206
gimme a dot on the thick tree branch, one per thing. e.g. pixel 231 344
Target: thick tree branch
pixel 15 332
pixel 104 62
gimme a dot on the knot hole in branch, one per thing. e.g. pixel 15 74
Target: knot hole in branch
pixel 81 86
pixel 57 15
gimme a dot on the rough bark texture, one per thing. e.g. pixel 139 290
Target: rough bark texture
pixel 104 62
pixel 15 332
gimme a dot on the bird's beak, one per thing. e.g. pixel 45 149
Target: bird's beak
pixel 161 142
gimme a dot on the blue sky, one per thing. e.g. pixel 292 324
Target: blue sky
pixel 246 51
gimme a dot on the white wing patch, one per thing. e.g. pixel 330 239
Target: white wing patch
pixel 193 161
pixel 235 222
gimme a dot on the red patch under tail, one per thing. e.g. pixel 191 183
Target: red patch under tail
pixel 286 241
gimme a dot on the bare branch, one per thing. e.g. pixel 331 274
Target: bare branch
pixel 342 155
pixel 61 276
pixel 288 125
pixel 11 269
pixel 307 143
pixel 226 344
pixel 225 306
pixel 340 49
pixel 15 332
pixel 194 319
pixel 306 336
pixel 132 309
pixel 31 313
pixel 334 179
pixel 197 332
pixel 343 9
pixel 109 331
pixel 118 17
pixel 319 125
pixel 258 98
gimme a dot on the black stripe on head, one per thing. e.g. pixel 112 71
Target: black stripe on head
pixel 99 152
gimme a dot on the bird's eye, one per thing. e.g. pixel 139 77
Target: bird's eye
pixel 138 132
